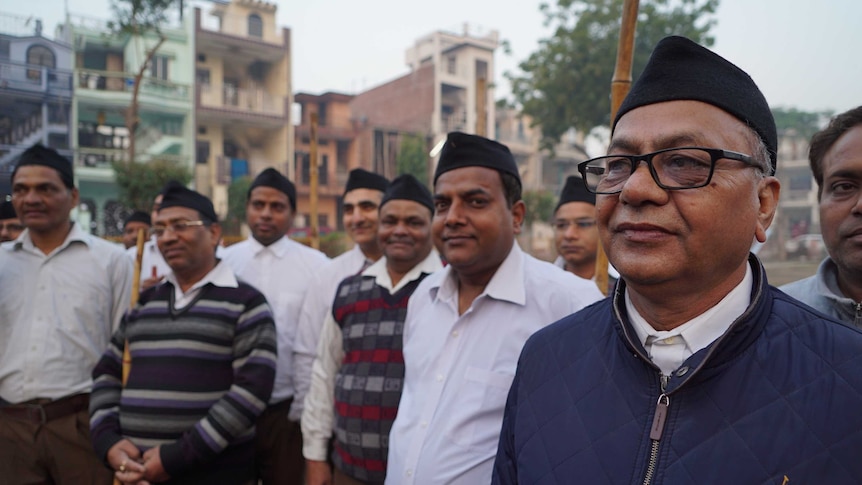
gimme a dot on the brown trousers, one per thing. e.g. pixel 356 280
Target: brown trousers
pixel 58 452
pixel 278 447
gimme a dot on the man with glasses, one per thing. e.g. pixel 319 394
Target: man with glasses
pixel 696 370
pixel 10 225
pixel 576 236
pixel 203 351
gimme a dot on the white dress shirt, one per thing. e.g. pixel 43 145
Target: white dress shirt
pixel 221 275
pixel 281 271
pixel 57 313
pixel 668 349
pixel 152 260
pixel 318 414
pixel 318 304
pixel 459 367
pixel 612 272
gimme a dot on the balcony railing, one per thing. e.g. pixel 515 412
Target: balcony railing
pixel 36 79
pixel 89 79
pixel 255 101
pixel 103 157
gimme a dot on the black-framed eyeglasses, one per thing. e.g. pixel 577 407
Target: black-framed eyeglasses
pixel 582 224
pixel 177 227
pixel 672 169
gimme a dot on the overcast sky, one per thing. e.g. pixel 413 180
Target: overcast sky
pixel 802 53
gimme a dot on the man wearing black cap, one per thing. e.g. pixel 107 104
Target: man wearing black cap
pixel 135 222
pixel 696 370
pixel 153 265
pixel 575 234
pixel 203 351
pixel 361 201
pixel 10 225
pixel 466 324
pixel 359 356
pixel 282 270
pixel 62 293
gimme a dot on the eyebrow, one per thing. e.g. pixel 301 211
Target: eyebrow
pixel 844 173
pixel 660 143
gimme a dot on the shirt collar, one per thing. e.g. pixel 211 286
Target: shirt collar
pixel 221 276
pixel 378 270
pixel 699 332
pixel 507 284
pixel 76 234
pixel 278 248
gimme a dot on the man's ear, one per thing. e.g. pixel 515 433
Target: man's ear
pixel 519 211
pixel 768 192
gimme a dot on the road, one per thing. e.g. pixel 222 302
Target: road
pixel 781 272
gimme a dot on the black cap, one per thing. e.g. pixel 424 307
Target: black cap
pixel 408 187
pixel 176 194
pixel 363 179
pixel 138 216
pixel 575 191
pixel 47 157
pixel 274 179
pixel 463 150
pixel 680 69
pixel 7 211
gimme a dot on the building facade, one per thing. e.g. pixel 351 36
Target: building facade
pixel 243 96
pixel 35 92
pixel 104 74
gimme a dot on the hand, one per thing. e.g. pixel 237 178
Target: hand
pixel 154 472
pixel 125 458
pixel 151 282
pixel 317 473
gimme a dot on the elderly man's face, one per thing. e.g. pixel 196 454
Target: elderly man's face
pixel 841 202
pixel 685 241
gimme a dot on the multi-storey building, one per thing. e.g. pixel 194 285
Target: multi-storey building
pixel 105 69
pixel 336 155
pixel 243 96
pixel 35 92
pixel 449 88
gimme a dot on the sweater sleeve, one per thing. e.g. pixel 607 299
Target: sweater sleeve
pixel 319 410
pixel 105 396
pixel 234 414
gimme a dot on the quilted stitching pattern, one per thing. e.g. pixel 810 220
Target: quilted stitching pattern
pixel 790 404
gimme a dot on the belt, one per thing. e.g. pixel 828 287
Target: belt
pixel 40 411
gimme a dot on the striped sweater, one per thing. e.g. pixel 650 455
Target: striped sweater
pixel 199 378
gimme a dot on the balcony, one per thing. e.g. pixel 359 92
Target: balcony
pixel 101 158
pixel 228 103
pixel 40 80
pixel 118 87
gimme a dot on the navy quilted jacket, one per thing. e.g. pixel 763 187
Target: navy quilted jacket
pixel 776 400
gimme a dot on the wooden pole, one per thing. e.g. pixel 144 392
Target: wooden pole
pixel 481 107
pixel 136 290
pixel 620 85
pixel 314 234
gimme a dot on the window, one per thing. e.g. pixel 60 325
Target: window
pixel 159 67
pixel 321 114
pixel 255 26
pixel 202 76
pixel 323 171
pixel 202 151
pixel 450 64
pixel 39 55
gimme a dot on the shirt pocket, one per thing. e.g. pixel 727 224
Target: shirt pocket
pixel 483 394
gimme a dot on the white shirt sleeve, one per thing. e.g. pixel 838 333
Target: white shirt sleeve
pixel 318 413
pixel 314 311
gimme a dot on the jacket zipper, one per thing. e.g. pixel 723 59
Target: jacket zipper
pixel 656 430
pixel 858 320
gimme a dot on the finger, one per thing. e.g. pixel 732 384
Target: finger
pixel 154 273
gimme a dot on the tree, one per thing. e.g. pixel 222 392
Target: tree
pixel 237 195
pixel 540 206
pixel 139 19
pixel 566 82
pixel 413 157
pixel 140 182
pixel 804 123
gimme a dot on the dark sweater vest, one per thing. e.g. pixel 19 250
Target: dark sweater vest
pixel 368 385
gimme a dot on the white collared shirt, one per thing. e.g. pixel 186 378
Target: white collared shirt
pixel 459 367
pixel 281 271
pixel 57 313
pixel 221 275
pixel 152 261
pixel 317 305
pixel 318 415
pixel 668 349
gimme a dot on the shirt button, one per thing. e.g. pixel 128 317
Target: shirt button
pixel 424 424
pixel 681 372
pixel 439 377
pixel 455 333
pixel 409 473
